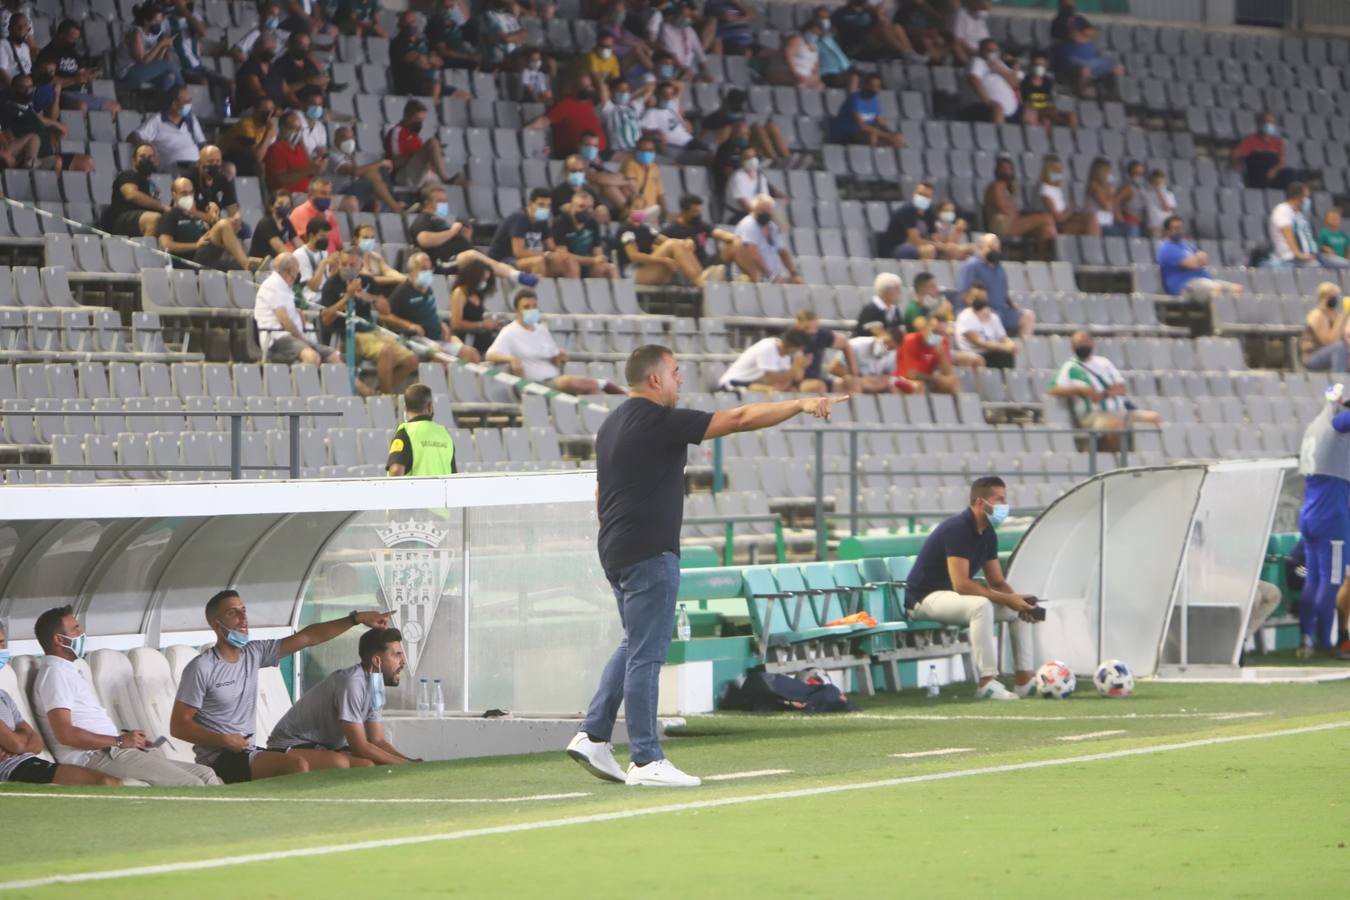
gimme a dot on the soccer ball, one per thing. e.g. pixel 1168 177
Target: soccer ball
pixel 1055 681
pixel 1114 679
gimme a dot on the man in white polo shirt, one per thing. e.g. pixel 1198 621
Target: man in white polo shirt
pixel 771 364
pixel 766 248
pixel 283 334
pixel 175 133
pixel 79 730
pixel 527 346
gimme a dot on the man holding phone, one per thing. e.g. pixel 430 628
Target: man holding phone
pixel 942 587
pixel 216 709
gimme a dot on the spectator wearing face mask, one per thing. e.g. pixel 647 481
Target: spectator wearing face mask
pixel 347 292
pixel 730 128
pixel 927 301
pixel 135 208
pixel 214 194
pixel 571 117
pixel 448 243
pixel 877 359
pixel 734 20
pixel 715 247
pixel 577 234
pixel 145 53
pixel 534 83
pixel 951 233
pixel 926 358
pixel 622 114
pixel 769 365
pixel 681 40
pixel 1003 217
pixel 664 121
pixel 908 234
pixel 980 337
pixel 474 284
pixel 1130 199
pixel 296 70
pixel 993 85
pixel 836 69
pixel 746 183
pixel 1182 266
pixel 1331 240
pixel 865 34
pixel 970 25
pixel 287 163
pixel 1103 199
pixel 1077 55
pixel 274 234
pixel 797 62
pixel 601 61
pixel 500 33
pixel 283 334
pixel 313 124
pixel 1096 393
pixel 883 310
pixel 414 303
pixel 417 162
pixel 1322 345
pixel 362 186
pixel 766 250
pixel 655 258
pixel 644 177
pixel 415 69
pixel 1291 234
pixel 319 205
pixel 1038 96
pixel 603 180
pixel 16 49
pixel 859 121
pixel 73 77
pixel 448 37
pixel 524 239
pixel 986 267
pixel 1067 219
pixel 244 144
pixel 197 238
pixel 1159 202
pixel 573 182
pixel 33 128
pixel 175 132
pixel 527 346
pixel 253 80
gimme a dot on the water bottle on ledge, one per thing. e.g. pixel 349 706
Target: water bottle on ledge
pixel 933 688
pixel 437 701
pixel 682 627
pixel 423 699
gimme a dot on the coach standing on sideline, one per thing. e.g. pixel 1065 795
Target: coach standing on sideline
pixel 640 458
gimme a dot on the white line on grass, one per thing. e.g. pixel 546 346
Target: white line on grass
pixel 881 717
pixel 1089 736
pixel 757 773
pixel 58 795
pixel 943 752
pixel 412 840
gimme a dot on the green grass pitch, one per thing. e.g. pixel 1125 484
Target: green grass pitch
pixel 1180 817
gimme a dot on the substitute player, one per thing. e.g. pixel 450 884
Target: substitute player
pixel 1324 520
pixel 640 454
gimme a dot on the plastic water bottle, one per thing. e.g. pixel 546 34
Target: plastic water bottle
pixel 423 699
pixel 437 701
pixel 682 628
pixel 933 688
pixel 227 107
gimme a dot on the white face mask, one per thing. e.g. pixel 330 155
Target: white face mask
pixel 185 203
pixel 348 146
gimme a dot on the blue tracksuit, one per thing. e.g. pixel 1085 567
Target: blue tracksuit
pixel 1324 518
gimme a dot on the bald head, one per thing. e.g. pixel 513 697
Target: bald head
pixel 989 242
pixel 762 203
pixel 210 156
pixel 182 187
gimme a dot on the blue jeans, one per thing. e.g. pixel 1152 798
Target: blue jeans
pixel 1331 358
pixel 1317 608
pixel 645 592
pixel 161 73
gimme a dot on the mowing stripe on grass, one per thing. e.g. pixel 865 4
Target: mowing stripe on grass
pixel 757 773
pixel 882 717
pixel 412 840
pixel 57 795
pixel 1089 736
pixel 943 752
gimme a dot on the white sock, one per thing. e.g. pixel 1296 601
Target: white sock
pixel 514 277
pixel 603 382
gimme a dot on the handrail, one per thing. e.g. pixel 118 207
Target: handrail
pixel 235 468
pixel 730 520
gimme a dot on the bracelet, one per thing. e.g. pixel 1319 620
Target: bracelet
pixel 351 616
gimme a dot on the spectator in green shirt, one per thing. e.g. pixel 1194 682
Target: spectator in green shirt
pixel 1331 239
pixel 927 300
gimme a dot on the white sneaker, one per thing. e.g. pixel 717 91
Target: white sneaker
pixel 994 690
pixel 1026 690
pixel 595 757
pixel 660 773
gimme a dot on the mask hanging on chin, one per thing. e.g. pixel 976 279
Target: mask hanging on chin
pixel 377 689
pixel 74 645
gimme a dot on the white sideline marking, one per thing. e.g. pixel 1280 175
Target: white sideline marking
pixel 58 795
pixel 919 753
pixel 412 840
pixel 757 773
pixel 881 717
pixel 1089 736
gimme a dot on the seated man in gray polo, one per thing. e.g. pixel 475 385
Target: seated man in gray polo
pixel 217 704
pixel 20 746
pixel 79 730
pixel 343 716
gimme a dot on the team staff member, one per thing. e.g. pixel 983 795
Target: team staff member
pixel 640 457
pixel 942 587
pixel 1324 520
pixel 216 709
pixel 420 446
pixel 342 718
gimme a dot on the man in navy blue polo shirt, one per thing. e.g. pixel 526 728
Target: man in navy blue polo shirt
pixel 640 452
pixel 942 587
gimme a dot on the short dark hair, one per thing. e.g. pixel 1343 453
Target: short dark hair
pixel 795 337
pixel 311 92
pixel 921 280
pixel 431 190
pixel 588 133
pixel 925 183
pixel 540 193
pixel 374 641
pixel 1295 189
pixel 417 398
pixel 688 200
pixel 1167 223
pixel 317 225
pixel 48 626
pixel 642 361
pixel 412 107
pixel 217 599
pixel 524 294
pixel 981 488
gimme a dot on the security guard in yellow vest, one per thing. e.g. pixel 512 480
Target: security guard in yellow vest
pixel 420 446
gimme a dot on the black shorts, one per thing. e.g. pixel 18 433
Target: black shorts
pixel 127 224
pixel 233 767
pixel 33 771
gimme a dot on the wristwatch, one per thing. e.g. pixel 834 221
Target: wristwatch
pixel 351 616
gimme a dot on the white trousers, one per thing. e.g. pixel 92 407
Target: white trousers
pixel 1267 598
pixel 151 768
pixel 980 615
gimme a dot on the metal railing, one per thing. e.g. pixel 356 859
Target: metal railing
pixel 729 523
pixel 854 472
pixel 236 468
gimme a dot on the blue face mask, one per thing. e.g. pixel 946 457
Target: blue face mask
pixel 443 209
pixel 590 152
pixel 541 214
pixel 998 512
pixel 934 339
pixel 377 690
pixel 322 203
pixel 314 112
pixel 367 245
pixel 666 71
pixel 74 645
pixel 921 202
pixel 186 110
pixel 646 157
pixel 424 279
pixel 531 317
pixel 576 179
pixel 236 639
pixel 1306 206
pixel 4 658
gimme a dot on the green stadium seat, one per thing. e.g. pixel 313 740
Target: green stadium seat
pixel 786 631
